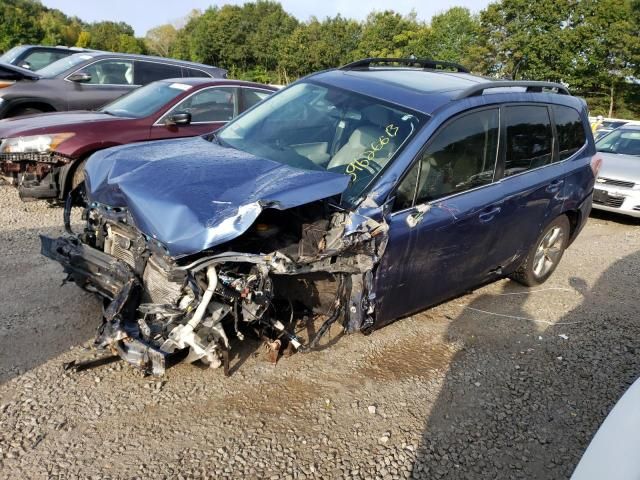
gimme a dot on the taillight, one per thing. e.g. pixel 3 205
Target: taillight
pixel 596 163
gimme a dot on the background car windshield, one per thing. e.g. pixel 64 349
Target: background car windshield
pixel 622 141
pixel 64 64
pixel 145 100
pixel 318 127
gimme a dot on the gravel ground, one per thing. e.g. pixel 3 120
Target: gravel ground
pixel 505 382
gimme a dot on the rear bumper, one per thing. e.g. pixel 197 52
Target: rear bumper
pixel 625 201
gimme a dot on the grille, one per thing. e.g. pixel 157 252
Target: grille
pixel 615 202
pixel 119 246
pixel 157 286
pixel 615 183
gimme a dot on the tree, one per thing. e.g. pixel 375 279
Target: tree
pixel 453 36
pixel 388 34
pixel 19 23
pixel 319 45
pixel 160 40
pixel 113 37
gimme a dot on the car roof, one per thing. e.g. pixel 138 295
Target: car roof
pixel 134 56
pixel 203 81
pixel 422 89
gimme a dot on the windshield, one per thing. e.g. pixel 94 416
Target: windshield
pixel 145 100
pixel 64 64
pixel 318 127
pixel 622 141
pixel 10 55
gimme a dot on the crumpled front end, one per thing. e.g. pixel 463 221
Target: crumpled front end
pixel 308 263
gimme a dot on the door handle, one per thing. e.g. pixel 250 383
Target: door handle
pixel 488 215
pixel 554 187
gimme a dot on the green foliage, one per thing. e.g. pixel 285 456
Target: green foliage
pixel 29 22
pixel 593 46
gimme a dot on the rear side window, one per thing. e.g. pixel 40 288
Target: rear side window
pixel 147 72
pixel 194 73
pixel 529 138
pixel 461 156
pixel 571 136
pixel 251 96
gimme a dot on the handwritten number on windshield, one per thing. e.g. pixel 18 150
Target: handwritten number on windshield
pixel 363 160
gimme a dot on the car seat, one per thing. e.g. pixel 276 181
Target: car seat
pixel 375 119
pixel 115 73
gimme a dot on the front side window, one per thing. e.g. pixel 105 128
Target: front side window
pixel 147 72
pixel 146 100
pixel 624 141
pixel 209 105
pixel 320 127
pixel 110 72
pixel 529 138
pixel 571 136
pixel 461 156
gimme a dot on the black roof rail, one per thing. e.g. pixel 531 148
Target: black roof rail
pixel 530 85
pixel 422 62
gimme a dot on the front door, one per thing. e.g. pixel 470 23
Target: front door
pixel 108 79
pixel 446 229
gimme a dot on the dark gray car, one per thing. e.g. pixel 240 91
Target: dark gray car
pixel 88 80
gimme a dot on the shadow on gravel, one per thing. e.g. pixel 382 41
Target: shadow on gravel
pixel 519 401
pixel 614 217
pixel 39 318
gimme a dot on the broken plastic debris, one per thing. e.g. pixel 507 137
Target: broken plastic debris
pixel 372 409
pixel 563 336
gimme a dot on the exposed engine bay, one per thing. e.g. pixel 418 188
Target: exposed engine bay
pixel 314 262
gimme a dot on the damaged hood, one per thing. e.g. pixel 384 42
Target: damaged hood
pixel 192 194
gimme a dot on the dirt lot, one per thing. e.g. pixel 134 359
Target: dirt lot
pixel 505 382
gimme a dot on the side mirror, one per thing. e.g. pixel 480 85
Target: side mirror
pixel 80 77
pixel 178 118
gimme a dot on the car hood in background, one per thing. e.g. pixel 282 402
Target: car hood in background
pixel 12 72
pixel 613 452
pixel 191 194
pixel 620 167
pixel 51 122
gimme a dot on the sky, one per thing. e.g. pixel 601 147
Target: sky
pixel 143 15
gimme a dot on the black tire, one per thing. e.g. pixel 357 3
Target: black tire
pixel 545 255
pixel 19 112
pixel 78 175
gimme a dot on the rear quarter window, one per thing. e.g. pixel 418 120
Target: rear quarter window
pixel 571 134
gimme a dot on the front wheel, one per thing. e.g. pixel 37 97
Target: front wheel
pixel 545 255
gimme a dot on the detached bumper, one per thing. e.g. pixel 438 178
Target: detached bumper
pixel 89 268
pixel 113 279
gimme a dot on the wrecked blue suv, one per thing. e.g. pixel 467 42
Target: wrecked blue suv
pixel 353 197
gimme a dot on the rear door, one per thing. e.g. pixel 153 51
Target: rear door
pixel 210 109
pixel 448 218
pixel 533 180
pixel 109 79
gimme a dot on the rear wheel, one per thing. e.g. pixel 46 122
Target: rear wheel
pixel 545 255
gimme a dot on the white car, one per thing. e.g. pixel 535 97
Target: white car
pixel 617 187
pixel 613 452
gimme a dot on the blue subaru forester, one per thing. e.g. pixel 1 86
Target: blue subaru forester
pixel 354 196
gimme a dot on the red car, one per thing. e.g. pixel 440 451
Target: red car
pixel 43 155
